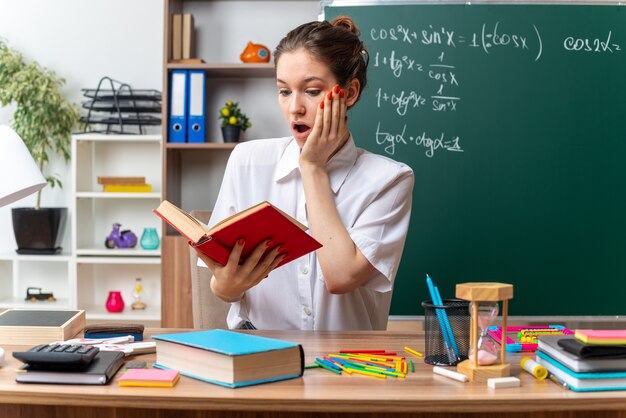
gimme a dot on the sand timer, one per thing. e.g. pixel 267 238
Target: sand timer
pixel 483 362
pixel 487 313
pixel 138 304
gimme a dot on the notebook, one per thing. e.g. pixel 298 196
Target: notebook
pixel 583 382
pixel 99 372
pixel 550 346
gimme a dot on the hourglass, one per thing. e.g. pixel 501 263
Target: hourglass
pixel 483 362
pixel 138 303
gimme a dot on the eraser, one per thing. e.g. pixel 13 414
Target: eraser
pixel 136 365
pixel 503 382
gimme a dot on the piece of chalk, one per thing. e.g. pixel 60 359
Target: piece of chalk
pixel 449 373
pixel 503 382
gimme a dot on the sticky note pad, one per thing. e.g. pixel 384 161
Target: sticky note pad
pixel 503 382
pixel 149 378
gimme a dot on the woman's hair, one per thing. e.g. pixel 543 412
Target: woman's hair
pixel 335 43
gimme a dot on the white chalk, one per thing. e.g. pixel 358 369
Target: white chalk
pixel 503 382
pixel 1 357
pixel 449 373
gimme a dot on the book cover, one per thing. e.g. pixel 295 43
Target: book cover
pixel 601 336
pixel 149 378
pixel 255 224
pixel 120 180
pixel 229 358
pixel 38 326
pixel 583 382
pixel 99 372
pixel 550 346
pixel 127 188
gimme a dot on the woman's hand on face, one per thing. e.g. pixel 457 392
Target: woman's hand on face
pixel 329 130
pixel 229 282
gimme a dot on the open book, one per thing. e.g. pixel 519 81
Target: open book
pixel 255 224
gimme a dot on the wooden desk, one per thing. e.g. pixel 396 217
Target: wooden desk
pixel 421 394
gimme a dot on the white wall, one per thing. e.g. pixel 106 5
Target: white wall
pixel 82 41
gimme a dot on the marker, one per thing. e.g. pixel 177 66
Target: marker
pixel 415 353
pixel 449 373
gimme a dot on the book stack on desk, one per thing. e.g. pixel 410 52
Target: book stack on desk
pixel 584 366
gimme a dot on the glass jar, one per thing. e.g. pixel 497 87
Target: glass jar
pixel 149 239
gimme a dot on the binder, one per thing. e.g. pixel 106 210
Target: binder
pixel 178 106
pixel 196 107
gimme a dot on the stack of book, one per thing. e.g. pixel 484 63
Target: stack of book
pixel 585 364
pixel 124 184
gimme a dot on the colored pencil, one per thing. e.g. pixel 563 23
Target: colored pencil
pixel 415 353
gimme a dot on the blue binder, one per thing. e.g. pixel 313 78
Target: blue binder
pixel 196 107
pixel 178 106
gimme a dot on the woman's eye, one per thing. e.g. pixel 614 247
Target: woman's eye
pixel 284 92
pixel 314 92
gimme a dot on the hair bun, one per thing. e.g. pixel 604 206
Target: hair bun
pixel 347 23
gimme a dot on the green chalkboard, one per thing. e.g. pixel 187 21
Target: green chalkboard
pixel 513 118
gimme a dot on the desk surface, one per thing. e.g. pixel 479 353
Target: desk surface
pixel 321 391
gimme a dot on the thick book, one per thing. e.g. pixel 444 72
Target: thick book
pixel 38 326
pixel 229 358
pixel 583 382
pixel 120 180
pixel 602 336
pixel 550 346
pixel 127 188
pixel 99 372
pixel 255 224
pixel 149 378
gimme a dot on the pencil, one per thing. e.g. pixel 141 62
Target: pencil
pixel 324 366
pixel 415 353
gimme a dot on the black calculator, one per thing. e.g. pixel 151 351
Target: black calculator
pixel 58 355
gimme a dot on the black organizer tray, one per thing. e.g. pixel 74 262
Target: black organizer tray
pixel 125 120
pixel 136 94
pixel 142 106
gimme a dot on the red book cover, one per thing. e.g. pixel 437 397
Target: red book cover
pixel 254 225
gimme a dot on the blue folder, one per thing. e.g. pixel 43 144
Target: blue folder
pixel 196 107
pixel 177 131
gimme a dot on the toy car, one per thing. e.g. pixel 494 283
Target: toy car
pixel 34 294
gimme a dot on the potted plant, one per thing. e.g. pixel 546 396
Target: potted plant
pixel 234 121
pixel 44 119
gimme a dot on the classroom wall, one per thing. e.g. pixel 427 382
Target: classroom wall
pixel 82 41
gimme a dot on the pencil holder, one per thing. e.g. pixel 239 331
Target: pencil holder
pixel 447 329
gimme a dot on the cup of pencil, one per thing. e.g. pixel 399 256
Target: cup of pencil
pixel 447 329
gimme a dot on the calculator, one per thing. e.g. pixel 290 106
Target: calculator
pixel 58 355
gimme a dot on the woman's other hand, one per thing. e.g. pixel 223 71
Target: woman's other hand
pixel 329 131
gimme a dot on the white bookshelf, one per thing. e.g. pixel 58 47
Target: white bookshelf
pixel 95 268
pixel 51 273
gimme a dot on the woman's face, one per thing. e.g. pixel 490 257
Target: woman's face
pixel 302 82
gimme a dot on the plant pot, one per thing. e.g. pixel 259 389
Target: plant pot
pixel 39 231
pixel 231 133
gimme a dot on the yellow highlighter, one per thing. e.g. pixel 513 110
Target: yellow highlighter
pixel 534 368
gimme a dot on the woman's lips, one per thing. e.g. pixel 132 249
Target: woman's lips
pixel 300 131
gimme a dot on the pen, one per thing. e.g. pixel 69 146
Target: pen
pixel 558 381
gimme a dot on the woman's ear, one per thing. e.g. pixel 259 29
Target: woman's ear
pixel 353 92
